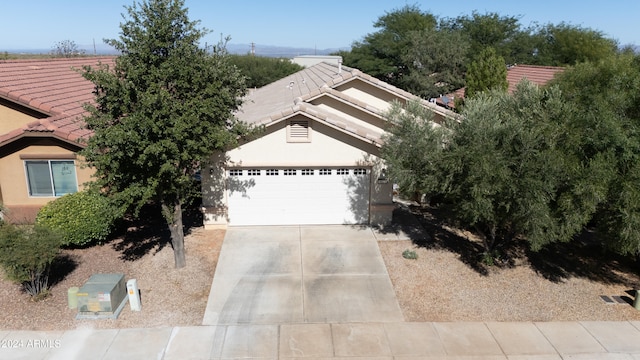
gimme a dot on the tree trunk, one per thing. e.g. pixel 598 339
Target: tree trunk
pixel 177 234
pixel 487 240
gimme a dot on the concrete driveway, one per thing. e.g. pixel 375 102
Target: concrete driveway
pixel 300 274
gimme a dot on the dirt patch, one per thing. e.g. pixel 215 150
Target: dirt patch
pixel 563 282
pixel 170 297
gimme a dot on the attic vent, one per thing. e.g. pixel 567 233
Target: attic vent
pixel 298 131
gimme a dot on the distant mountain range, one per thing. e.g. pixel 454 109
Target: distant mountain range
pixel 241 49
pixel 279 51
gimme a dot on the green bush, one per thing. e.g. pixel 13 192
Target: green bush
pixel 81 218
pixel 26 254
pixel 410 254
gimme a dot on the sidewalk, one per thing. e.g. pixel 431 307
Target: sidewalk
pixel 454 340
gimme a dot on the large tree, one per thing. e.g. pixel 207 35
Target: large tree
pixel 565 44
pixel 489 30
pixel 606 121
pixel 435 62
pixel 260 71
pixel 380 54
pixel 503 170
pixel 162 109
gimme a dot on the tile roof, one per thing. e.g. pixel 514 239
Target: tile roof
pixel 292 95
pixel 539 75
pixel 54 87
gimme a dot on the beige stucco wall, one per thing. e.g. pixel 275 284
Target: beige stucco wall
pixel 369 94
pixel 328 147
pixel 13 181
pixel 11 119
pixel 358 117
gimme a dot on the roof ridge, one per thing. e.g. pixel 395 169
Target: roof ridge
pixel 56 59
pixel 536 66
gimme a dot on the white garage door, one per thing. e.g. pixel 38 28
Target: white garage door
pixel 298 196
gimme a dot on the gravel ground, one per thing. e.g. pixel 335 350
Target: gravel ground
pixel 563 282
pixel 445 283
pixel 170 297
pixel 439 287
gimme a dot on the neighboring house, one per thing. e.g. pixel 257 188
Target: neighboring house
pixel 41 128
pixel 318 159
pixel 538 75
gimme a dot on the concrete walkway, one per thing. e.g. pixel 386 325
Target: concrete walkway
pixel 389 340
pixel 301 274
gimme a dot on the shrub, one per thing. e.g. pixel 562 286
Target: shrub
pixel 82 217
pixel 26 254
pixel 410 254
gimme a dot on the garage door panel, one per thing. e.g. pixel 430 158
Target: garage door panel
pixel 300 199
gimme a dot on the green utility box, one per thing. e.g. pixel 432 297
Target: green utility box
pixel 103 295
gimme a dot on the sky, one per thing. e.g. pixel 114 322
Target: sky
pixel 324 24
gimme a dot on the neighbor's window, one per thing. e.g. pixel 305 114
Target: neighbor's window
pixel 51 177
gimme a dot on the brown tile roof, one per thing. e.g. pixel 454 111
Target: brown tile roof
pixel 54 87
pixel 539 75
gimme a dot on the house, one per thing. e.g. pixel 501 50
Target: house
pixel 41 132
pixel 538 75
pixel 318 159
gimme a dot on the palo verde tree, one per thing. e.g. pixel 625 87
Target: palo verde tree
pixel 162 110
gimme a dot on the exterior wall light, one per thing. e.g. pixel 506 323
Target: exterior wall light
pixel 382 177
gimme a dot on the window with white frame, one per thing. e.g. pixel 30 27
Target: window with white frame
pixel 253 172
pixel 307 171
pixel 359 171
pixel 324 171
pixel 272 172
pixel 342 171
pixel 51 177
pixel 235 172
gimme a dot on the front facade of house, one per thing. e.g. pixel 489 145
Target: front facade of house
pixel 41 132
pixel 318 159
pixel 316 162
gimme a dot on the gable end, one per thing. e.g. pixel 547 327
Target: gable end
pixel 299 130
